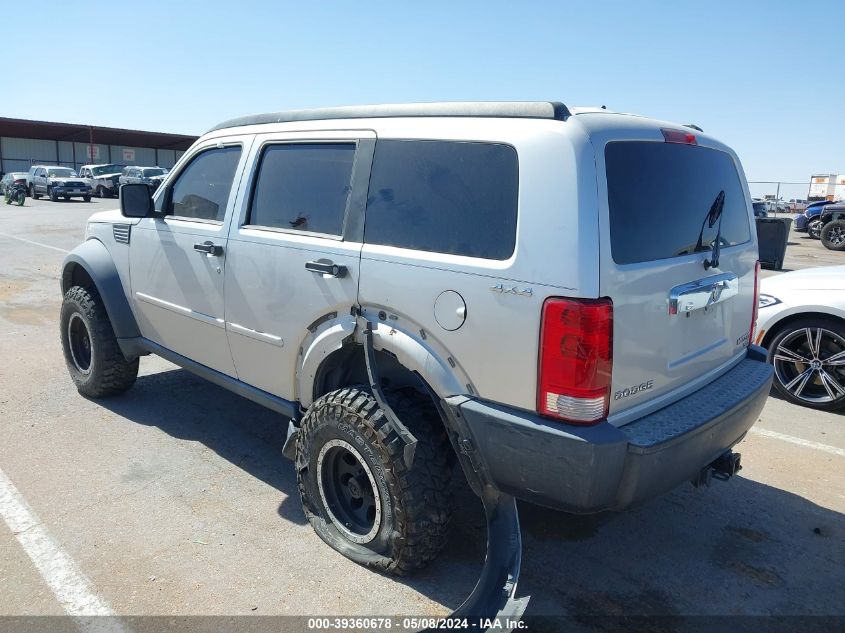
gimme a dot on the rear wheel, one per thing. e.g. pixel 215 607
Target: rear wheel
pixel 93 357
pixel 32 193
pixel 833 235
pixel 356 490
pixel 808 356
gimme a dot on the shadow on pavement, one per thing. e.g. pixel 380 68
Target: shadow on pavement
pixel 740 547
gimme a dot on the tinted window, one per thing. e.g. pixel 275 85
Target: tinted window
pixel 202 189
pixel 659 195
pixel 444 197
pixel 303 187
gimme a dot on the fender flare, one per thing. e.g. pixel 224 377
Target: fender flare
pixel 93 257
pixel 422 356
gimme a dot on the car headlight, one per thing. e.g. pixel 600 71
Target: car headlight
pixel 767 300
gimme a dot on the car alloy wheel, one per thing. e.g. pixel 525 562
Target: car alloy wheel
pixel 814 229
pixel 836 235
pixel 809 363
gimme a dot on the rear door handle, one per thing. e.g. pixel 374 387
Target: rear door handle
pixel 209 248
pixel 326 267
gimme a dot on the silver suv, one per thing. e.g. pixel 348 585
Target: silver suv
pixel 559 298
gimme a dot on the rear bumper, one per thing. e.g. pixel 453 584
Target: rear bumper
pixel 602 467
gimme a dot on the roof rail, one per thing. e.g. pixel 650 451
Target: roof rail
pixel 492 109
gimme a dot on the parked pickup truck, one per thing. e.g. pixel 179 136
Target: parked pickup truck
pixel 561 299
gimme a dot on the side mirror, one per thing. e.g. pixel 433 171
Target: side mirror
pixel 136 201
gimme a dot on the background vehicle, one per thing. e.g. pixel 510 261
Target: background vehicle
pixel 103 179
pixel 57 182
pixel 15 193
pixel 811 213
pixel 832 221
pixel 293 258
pixel 150 176
pixel 11 178
pixel 801 321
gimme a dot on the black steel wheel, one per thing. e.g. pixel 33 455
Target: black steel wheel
pixel 808 356
pixel 348 491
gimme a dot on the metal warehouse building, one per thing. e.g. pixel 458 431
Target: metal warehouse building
pixel 24 143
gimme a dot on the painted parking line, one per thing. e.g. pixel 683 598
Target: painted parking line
pixel 23 239
pixel 68 584
pixel 833 450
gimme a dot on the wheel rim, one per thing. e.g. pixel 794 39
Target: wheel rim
pixel 814 229
pixel 349 492
pixel 79 342
pixel 810 364
pixel 836 235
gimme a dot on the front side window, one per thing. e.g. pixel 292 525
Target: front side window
pixel 444 197
pixel 303 187
pixel 201 190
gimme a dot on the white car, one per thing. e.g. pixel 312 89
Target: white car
pixel 801 322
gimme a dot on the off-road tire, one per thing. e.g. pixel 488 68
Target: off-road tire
pixel 109 372
pixel 836 227
pixel 416 504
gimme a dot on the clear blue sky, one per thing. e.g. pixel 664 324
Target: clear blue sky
pixel 766 77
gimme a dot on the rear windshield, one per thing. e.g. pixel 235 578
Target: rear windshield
pixel 659 195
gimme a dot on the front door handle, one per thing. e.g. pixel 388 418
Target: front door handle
pixel 326 267
pixel 209 248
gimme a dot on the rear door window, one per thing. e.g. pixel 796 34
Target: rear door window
pixel 303 187
pixel 444 197
pixel 659 195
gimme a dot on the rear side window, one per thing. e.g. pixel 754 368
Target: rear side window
pixel 303 187
pixel 201 190
pixel 444 197
pixel 659 195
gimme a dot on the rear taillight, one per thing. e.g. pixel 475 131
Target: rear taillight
pixel 576 358
pixel 20 181
pixel 756 302
pixel 678 136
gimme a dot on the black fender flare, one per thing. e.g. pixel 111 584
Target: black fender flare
pixel 94 258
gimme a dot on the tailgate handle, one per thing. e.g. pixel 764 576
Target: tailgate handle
pixel 703 293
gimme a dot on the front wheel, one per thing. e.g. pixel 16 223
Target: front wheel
pixel 53 195
pixel 21 198
pixel 833 235
pixel 814 228
pixel 808 356
pixel 86 198
pixel 92 355
pixel 32 193
pixel 356 490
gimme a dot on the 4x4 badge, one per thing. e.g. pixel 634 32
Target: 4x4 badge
pixel 512 290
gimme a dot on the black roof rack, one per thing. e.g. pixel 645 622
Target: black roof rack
pixel 493 109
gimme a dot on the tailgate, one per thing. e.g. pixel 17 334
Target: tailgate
pixel 678 322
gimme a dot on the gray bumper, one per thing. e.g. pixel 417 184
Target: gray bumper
pixel 602 467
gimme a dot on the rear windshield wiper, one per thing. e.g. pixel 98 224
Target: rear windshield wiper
pixel 713 215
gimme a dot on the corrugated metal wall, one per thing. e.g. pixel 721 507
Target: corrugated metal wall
pixel 18 154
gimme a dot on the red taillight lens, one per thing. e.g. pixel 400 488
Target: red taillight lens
pixel 678 136
pixel 576 358
pixel 756 302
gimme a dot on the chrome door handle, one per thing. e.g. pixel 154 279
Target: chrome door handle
pixel 326 267
pixel 209 248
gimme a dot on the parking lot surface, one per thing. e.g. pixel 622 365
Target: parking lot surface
pixel 174 499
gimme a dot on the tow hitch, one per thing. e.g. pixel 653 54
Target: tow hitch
pixel 722 468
